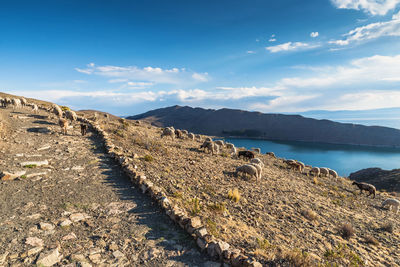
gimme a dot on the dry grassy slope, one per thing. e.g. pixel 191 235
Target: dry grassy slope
pixel 274 217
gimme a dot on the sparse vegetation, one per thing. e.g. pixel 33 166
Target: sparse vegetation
pixel 310 214
pixel 30 166
pixel 347 230
pixel 195 206
pixel 234 195
pixel 299 258
pixel 371 240
pixel 219 207
pixel 388 227
pixel 148 158
pixel 64 108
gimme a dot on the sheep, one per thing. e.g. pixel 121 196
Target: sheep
pixel 257 161
pixel 190 136
pixel 168 132
pixel 247 169
pixel 178 133
pixel 217 148
pixel 63 124
pixel 302 165
pixel 272 154
pixel 23 102
pixel 220 143
pixel 296 165
pixel 246 154
pixel 2 102
pixel 315 171
pixel 229 145
pixel 208 139
pixel 83 129
pixel 210 146
pixel 7 101
pixel 333 173
pixel 366 187
pixel 324 171
pixel 198 137
pixel 258 150
pixel 16 103
pixel 259 168
pixel 233 151
pixel 185 132
pixel 71 115
pixel 57 111
pixel 392 203
pixel 35 108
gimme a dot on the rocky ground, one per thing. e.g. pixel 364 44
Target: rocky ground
pixel 78 209
pixel 286 217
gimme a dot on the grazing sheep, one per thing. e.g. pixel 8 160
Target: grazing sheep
pixel 63 124
pixel 324 171
pixel 233 151
pixel 2 102
pixel 208 139
pixel 7 101
pixel 168 132
pixel 220 143
pixel 302 165
pixel 333 173
pixel 315 171
pixel 295 165
pixel 16 103
pixel 23 102
pixel 246 154
pixel 71 115
pixel 272 154
pixel 392 203
pixel 83 129
pixel 35 109
pixel 178 133
pixel 185 132
pixel 57 111
pixel 366 187
pixel 229 145
pixel 258 150
pixel 257 161
pixel 198 137
pixel 210 146
pixel 259 169
pixel 190 136
pixel 247 169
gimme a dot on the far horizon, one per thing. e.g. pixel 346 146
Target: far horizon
pixel 324 59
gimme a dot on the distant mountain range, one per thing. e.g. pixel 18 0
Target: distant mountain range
pixel 239 123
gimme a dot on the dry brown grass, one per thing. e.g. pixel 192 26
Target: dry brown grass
pixel 347 230
pixel 371 240
pixel 310 214
pixel 234 195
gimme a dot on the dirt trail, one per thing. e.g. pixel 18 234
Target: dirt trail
pixel 80 208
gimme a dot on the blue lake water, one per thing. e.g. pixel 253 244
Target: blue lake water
pixel 345 159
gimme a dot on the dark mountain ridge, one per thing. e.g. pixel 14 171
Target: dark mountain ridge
pixel 238 123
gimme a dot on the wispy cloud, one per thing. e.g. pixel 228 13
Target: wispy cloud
pixel 290 46
pixel 373 7
pixel 314 34
pixel 371 31
pixel 153 75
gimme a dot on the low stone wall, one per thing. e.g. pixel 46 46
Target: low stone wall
pixel 216 249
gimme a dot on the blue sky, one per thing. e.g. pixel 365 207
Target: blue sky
pixel 127 57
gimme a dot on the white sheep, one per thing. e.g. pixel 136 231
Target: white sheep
pixel 2 102
pixel 333 173
pixel 190 136
pixel 169 131
pixel 198 137
pixel 259 169
pixel 71 115
pixel 391 202
pixel 57 111
pixel 209 139
pixel 23 101
pixel 35 108
pixel 258 150
pixel 229 145
pixel 247 169
pixel 315 171
pixel 7 101
pixel 185 132
pixel 220 143
pixel 324 171
pixel 210 146
pixel 233 151
pixel 257 161
pixel 16 103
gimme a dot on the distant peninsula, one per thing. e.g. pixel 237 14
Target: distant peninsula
pixel 244 124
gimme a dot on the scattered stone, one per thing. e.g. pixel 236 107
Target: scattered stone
pixel 118 254
pixel 65 223
pixel 77 257
pixel 95 258
pixel 34 242
pixel 43 148
pixel 35 174
pixel 34 216
pixel 3 257
pixel 34 251
pixel 77 217
pixel 8 176
pixel 46 226
pixel 119 207
pixel 77 168
pixel 49 258
pixel 69 237
pixel 113 247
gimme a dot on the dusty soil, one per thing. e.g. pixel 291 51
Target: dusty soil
pixel 287 216
pixel 79 205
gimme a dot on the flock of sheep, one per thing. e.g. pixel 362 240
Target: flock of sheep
pixel 255 165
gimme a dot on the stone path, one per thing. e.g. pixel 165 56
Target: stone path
pixel 78 208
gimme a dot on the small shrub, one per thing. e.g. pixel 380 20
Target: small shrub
pixel 310 214
pixel 263 243
pixel 220 207
pixel 347 230
pixel 195 206
pixel 23 176
pixel 212 228
pixel 315 181
pixel 148 158
pixel 178 194
pixel 119 132
pixel 371 240
pixel 234 195
pixel 30 166
pixel 299 258
pixel 388 227
pixel 64 108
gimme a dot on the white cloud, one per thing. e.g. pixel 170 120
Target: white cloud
pixel 289 46
pixel 250 52
pixel 314 34
pixel 374 7
pixel 272 40
pixel 146 74
pixel 371 31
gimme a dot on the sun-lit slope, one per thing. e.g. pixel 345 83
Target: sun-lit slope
pixel 286 214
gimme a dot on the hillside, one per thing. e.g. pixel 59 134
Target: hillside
pixel 238 123
pixel 288 218
pixel 388 180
